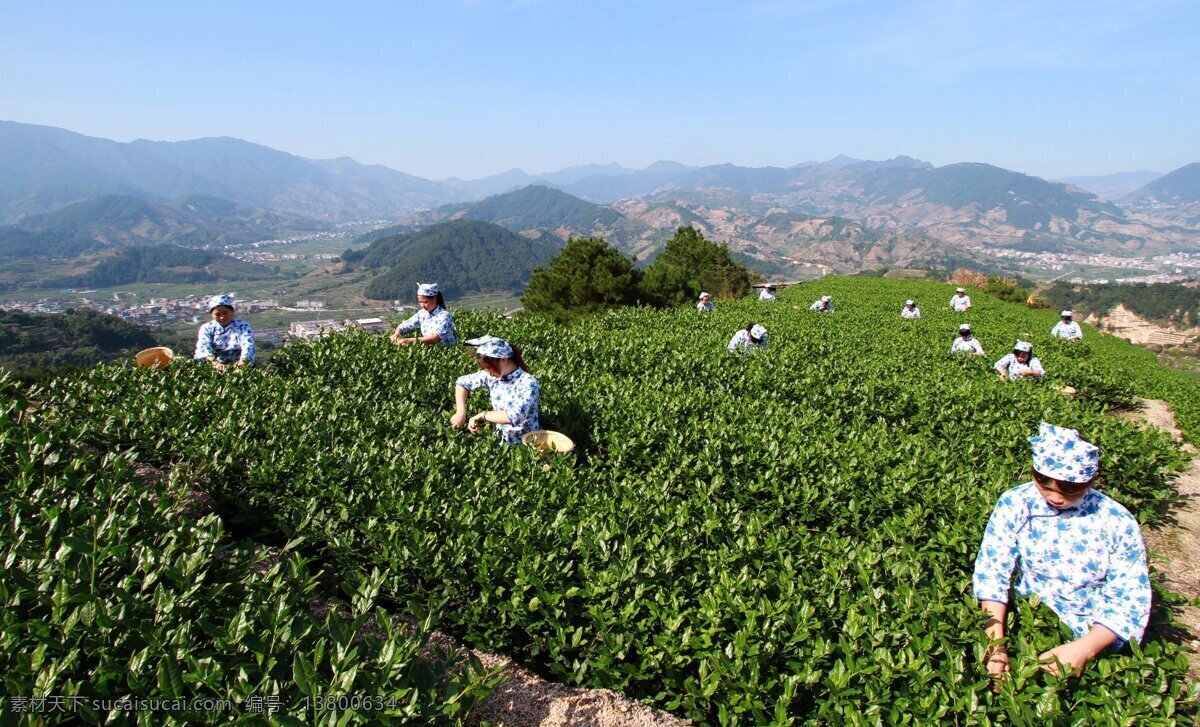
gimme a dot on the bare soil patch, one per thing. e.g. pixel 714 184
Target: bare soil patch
pixel 1175 548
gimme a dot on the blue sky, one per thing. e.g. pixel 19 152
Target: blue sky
pixel 468 88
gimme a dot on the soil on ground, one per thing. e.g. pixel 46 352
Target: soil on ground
pixel 1175 546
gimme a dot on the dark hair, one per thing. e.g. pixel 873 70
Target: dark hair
pixel 1044 480
pixel 492 364
pixel 440 300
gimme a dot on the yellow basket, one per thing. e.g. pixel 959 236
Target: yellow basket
pixel 548 441
pixel 157 358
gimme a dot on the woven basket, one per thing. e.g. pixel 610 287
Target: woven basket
pixel 548 441
pixel 156 358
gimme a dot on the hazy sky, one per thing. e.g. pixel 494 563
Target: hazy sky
pixel 443 88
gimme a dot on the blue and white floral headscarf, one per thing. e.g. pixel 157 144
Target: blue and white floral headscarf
pixel 217 300
pixel 758 331
pixel 1023 346
pixel 491 347
pixel 1058 452
pixel 429 290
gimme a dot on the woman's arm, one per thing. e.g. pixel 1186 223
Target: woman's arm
pixel 460 407
pixel 995 659
pixel 1076 654
pixel 493 416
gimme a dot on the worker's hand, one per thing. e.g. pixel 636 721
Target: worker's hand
pixel 396 337
pixel 995 660
pixel 1071 657
pixel 473 424
pixel 459 420
pixel 217 365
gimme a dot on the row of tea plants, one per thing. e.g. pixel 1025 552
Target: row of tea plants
pixel 114 593
pixel 784 536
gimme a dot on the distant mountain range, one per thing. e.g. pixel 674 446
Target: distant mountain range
pixel 1112 186
pixel 44 168
pixel 899 207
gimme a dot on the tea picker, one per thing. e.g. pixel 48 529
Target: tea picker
pixel 705 305
pixel 823 305
pixel 960 302
pixel 910 310
pixel 753 336
pixel 1020 364
pixel 225 340
pixel 1067 328
pixel 966 342
pixel 435 322
pixel 513 391
pixel 1077 549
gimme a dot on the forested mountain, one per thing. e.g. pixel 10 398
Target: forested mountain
pixel 160 264
pixel 463 256
pixel 45 168
pixel 35 345
pixel 552 213
pixel 117 221
pixel 536 207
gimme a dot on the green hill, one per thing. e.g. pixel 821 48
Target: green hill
pixel 36 345
pixel 118 221
pixel 537 206
pixel 160 264
pixel 464 257
pixel 787 536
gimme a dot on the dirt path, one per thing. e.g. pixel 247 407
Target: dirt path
pixel 1175 546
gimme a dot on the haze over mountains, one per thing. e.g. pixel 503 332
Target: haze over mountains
pixel 842 214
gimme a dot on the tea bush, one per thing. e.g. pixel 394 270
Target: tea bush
pixel 783 536
pixel 112 594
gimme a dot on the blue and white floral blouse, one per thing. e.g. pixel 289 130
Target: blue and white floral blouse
pixel 1087 562
pixel 516 395
pixel 1013 368
pixel 439 321
pixel 966 345
pixel 232 343
pixel 1070 331
pixel 741 340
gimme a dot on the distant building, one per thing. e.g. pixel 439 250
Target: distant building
pixel 314 329
pixel 311 304
pixel 374 325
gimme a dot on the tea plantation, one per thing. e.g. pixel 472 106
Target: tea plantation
pixel 780 537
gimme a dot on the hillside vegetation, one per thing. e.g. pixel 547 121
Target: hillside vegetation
pixel 1170 303
pixel 160 264
pixel 786 536
pixel 35 346
pixel 119 221
pixel 464 257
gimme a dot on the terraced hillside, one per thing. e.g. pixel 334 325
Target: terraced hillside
pixel 781 537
